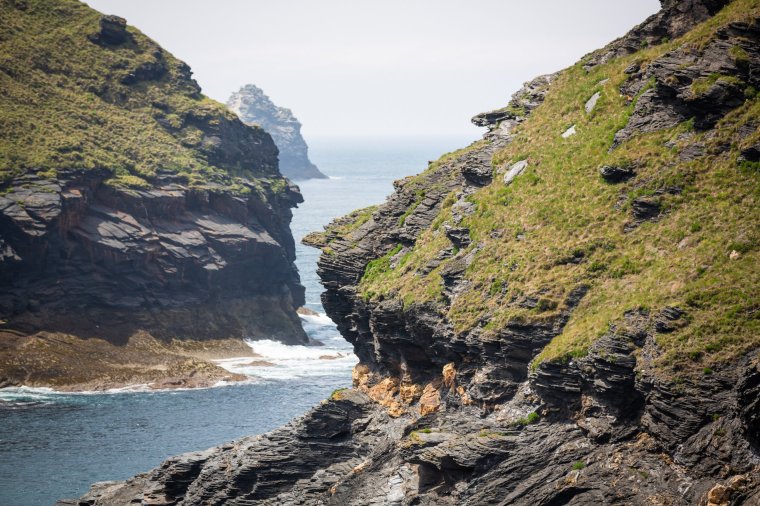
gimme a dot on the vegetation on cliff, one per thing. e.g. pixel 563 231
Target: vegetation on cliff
pixel 560 224
pixel 581 285
pixel 85 92
pixel 130 204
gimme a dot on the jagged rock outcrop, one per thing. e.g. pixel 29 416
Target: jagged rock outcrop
pixel 486 374
pixel 702 86
pixel 148 208
pixel 675 18
pixel 255 108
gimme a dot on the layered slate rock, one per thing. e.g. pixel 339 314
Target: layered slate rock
pixel 129 202
pixel 255 108
pixel 481 412
pixel 702 86
pixel 90 259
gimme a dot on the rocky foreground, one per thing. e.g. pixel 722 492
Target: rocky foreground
pixel 130 206
pixel 562 313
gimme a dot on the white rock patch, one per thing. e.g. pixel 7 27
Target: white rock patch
pixel 515 170
pixel 592 102
pixel 570 131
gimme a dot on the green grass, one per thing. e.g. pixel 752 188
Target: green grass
pixel 528 420
pixel 561 205
pixel 703 84
pixel 578 465
pixel 341 227
pixel 740 56
pixel 414 436
pixel 64 103
pixel 337 394
pixel 379 267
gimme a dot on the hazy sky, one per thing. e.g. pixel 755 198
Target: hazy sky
pixel 383 67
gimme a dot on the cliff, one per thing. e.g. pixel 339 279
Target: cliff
pixel 564 312
pixel 129 203
pixel 255 108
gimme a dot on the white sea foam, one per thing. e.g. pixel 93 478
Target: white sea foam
pixel 282 362
pixel 317 319
pixel 45 395
pixel 335 356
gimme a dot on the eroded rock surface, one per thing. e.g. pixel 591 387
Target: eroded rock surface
pixel 90 259
pixel 444 416
pixel 177 221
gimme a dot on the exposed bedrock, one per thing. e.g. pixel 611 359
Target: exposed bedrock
pixel 256 108
pixel 472 414
pixel 702 85
pixel 83 257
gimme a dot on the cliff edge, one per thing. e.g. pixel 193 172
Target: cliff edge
pixel 130 205
pixel 564 312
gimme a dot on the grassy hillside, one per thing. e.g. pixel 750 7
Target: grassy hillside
pixel 68 100
pixel 560 225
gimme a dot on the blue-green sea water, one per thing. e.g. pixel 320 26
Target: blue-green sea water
pixel 54 445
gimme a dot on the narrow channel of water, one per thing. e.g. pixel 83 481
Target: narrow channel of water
pixel 54 445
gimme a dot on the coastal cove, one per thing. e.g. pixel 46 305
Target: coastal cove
pixel 201 309
pixel 54 445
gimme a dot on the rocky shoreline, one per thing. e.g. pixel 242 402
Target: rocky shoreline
pixel 503 390
pixel 68 363
pixel 160 218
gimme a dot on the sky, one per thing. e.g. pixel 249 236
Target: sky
pixel 382 67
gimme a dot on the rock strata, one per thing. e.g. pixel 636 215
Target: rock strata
pixel 171 260
pixel 134 240
pixel 450 413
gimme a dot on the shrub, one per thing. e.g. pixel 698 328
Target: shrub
pixel 336 394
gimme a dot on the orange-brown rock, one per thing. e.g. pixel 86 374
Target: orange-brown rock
pixel 430 401
pixel 360 376
pixel 449 374
pixel 384 393
pixel 718 496
pixel 409 392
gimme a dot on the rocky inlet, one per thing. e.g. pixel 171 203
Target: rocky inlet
pixel 485 374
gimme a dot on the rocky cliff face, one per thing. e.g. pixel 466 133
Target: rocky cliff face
pixel 255 108
pixel 86 258
pixel 128 201
pixel 564 312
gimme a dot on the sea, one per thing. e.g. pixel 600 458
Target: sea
pixel 54 445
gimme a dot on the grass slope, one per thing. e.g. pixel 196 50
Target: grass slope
pixel 561 207
pixel 66 102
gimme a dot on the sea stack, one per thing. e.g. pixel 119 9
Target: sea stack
pixel 256 108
